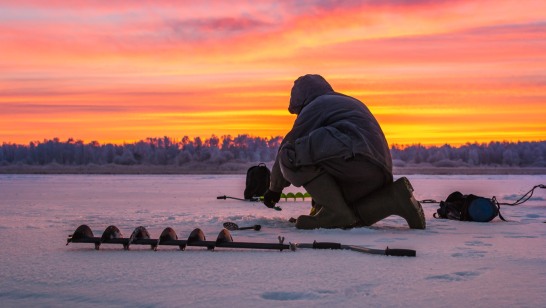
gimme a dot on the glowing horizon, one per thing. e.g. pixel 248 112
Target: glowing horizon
pixel 432 73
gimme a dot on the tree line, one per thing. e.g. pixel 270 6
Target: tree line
pixel 152 151
pixel 246 148
pixel 514 154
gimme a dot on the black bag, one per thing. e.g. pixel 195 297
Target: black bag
pixel 257 181
pixel 468 208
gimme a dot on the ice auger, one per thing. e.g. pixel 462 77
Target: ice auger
pixel 168 237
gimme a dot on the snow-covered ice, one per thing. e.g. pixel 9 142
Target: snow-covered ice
pixel 500 264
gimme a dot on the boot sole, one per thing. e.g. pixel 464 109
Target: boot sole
pixel 309 222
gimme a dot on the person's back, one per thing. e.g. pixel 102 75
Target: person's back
pixel 353 119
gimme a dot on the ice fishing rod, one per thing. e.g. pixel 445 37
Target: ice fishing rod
pixel 253 199
pixel 290 195
pixel 140 236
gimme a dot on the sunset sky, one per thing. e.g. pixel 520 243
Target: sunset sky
pixel 433 72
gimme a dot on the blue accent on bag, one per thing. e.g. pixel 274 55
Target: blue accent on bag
pixel 482 210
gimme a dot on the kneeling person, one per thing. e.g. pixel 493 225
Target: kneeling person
pixel 337 151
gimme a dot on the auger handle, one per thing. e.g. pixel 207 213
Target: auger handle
pixel 326 245
pixel 255 227
pixel 400 252
pixel 385 252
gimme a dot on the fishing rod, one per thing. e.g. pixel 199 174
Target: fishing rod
pixel 290 195
pixel 253 199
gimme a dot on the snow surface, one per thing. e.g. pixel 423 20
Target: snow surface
pixel 501 264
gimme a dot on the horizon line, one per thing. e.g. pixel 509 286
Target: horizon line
pixel 222 137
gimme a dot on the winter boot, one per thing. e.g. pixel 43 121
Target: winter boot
pixel 333 211
pixel 394 199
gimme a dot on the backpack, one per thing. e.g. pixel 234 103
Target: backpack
pixel 257 181
pixel 468 208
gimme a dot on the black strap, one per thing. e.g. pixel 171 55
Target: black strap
pixel 525 197
pixel 494 200
pixel 521 200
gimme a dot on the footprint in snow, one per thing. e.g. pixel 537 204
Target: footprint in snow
pixel 477 243
pixel 293 296
pixel 469 253
pixel 456 276
pixel 390 240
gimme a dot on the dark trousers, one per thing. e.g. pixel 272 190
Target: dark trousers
pixel 356 177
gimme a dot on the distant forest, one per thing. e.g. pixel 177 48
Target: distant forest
pixel 245 148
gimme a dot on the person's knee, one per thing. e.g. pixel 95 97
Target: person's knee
pixel 300 176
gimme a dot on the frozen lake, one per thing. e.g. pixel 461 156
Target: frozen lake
pixel 500 264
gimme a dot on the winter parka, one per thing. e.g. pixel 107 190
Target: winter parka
pixel 330 125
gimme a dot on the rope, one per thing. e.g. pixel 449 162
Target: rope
pixel 521 200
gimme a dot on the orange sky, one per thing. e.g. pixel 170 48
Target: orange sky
pixel 432 72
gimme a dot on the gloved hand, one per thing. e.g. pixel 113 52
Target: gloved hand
pixel 271 198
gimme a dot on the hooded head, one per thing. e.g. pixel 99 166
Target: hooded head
pixel 305 89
